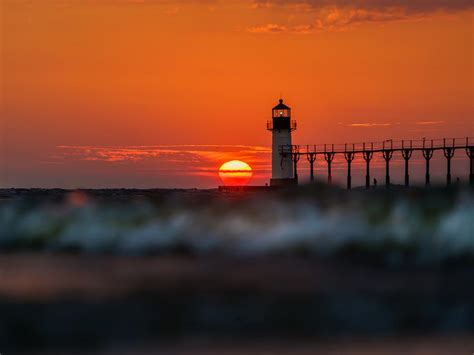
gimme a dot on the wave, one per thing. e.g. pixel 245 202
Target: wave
pixel 425 227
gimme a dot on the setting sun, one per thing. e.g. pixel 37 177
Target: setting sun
pixel 235 173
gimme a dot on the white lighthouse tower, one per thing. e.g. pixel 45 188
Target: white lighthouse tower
pixel 281 127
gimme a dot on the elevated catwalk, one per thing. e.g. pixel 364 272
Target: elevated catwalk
pixel 387 148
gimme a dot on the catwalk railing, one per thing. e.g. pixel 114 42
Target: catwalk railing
pixel 387 149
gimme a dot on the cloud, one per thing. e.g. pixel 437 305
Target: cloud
pixel 429 123
pixel 188 159
pixel 268 28
pixel 272 28
pixel 172 5
pixel 343 14
pixel 410 6
pixel 162 2
pixel 369 124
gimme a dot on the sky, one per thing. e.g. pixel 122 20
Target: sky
pixel 160 93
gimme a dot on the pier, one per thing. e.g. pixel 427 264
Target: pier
pixel 387 149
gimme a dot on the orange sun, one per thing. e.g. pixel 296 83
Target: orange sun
pixel 235 173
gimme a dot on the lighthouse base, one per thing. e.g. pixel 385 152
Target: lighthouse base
pixel 283 182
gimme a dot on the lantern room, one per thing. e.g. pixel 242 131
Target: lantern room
pixel 281 118
pixel 281 110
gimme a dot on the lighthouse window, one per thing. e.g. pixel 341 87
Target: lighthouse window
pixel 281 113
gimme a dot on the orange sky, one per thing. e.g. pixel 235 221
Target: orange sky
pixel 143 93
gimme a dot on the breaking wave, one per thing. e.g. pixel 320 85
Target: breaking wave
pixel 425 227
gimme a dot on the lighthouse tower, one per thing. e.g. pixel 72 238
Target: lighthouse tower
pixel 281 127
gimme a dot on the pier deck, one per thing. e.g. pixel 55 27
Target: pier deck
pixel 387 148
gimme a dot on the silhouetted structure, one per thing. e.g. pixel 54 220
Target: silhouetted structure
pixel 284 164
pixel 311 158
pixel 349 156
pixel 368 155
pixel 470 154
pixel 329 157
pixel 406 147
pixel 387 155
pixel 428 154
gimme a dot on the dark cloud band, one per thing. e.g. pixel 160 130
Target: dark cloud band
pixel 408 5
pixel 342 14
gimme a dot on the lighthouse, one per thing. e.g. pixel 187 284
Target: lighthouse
pixel 281 127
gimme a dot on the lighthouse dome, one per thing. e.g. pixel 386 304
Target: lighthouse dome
pixel 281 106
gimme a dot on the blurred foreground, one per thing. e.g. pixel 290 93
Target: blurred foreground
pixel 198 272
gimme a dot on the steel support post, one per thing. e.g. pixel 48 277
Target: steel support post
pixel 470 154
pixel 295 157
pixel 349 158
pixel 449 154
pixel 329 157
pixel 387 155
pixel 406 154
pixel 311 158
pixel 367 157
pixel 428 154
